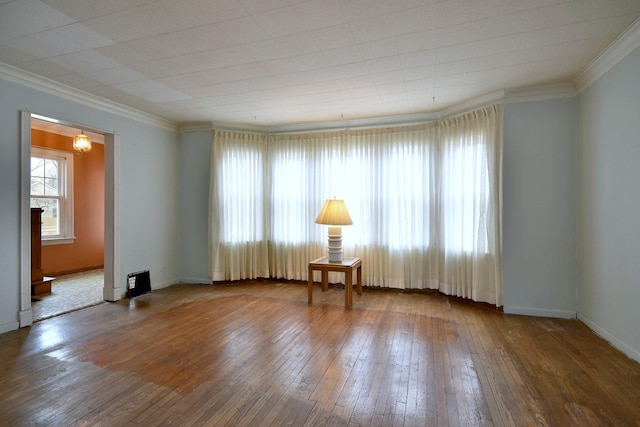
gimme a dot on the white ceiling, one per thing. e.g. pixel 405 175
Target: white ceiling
pixel 275 62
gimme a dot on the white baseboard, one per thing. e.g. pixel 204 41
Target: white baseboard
pixel 612 339
pixel 111 294
pixel 25 318
pixel 164 284
pixel 540 312
pixel 8 327
pixel 195 281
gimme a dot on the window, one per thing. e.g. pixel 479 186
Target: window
pixel 425 200
pixel 52 191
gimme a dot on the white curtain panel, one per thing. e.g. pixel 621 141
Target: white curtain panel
pixel 425 201
pixel 470 230
pixel 237 206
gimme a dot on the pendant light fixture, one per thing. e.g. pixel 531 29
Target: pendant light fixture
pixel 81 143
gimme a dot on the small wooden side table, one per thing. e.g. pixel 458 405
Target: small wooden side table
pixel 346 266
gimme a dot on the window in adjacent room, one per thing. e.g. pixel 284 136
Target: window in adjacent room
pixel 52 190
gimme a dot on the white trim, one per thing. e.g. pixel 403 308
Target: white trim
pixel 25 219
pixel 623 45
pixel 510 95
pixel 195 281
pixel 472 104
pixel 389 121
pixel 617 343
pixel 58 241
pixel 111 290
pixel 34 81
pixel 6 327
pixel 539 93
pixel 165 284
pixel 195 127
pixel 540 312
pixel 561 90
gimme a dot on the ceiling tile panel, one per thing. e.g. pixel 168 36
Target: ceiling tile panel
pixel 343 55
pixel 333 37
pixel 379 48
pixel 24 17
pixel 280 22
pixel 59 41
pixel 81 10
pixel 283 61
pixel 321 14
pixel 161 17
pixel 13 55
pixel 423 40
pixel 244 30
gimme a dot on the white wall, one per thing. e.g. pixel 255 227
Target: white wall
pixel 609 205
pixel 539 208
pixel 148 190
pixel 195 154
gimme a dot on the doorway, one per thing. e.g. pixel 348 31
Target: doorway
pixel 110 287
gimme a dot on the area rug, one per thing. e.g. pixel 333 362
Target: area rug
pixel 69 293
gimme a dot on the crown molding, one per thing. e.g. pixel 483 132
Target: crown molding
pixel 195 127
pixel 622 46
pixel 472 104
pixel 44 84
pixel 388 121
pixel 538 93
pixel 239 127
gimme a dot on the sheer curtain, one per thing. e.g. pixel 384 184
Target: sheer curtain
pixel 304 170
pixel 237 207
pixel 471 205
pixel 425 201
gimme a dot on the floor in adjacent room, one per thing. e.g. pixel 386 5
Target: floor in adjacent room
pixel 69 293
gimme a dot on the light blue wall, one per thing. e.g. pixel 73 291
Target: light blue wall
pixel 195 153
pixel 148 190
pixel 539 208
pixel 609 205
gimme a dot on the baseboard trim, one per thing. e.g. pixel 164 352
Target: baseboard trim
pixel 195 281
pixel 612 339
pixel 25 318
pixel 540 312
pixel 77 270
pixel 9 327
pixel 164 284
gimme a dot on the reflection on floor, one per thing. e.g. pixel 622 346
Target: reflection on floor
pixel 69 293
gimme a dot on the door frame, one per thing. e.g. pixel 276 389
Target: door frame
pixel 111 290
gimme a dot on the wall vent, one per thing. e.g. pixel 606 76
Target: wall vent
pixel 138 283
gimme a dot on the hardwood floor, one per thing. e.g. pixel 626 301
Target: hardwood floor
pixel 256 354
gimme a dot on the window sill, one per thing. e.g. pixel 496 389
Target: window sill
pixel 58 241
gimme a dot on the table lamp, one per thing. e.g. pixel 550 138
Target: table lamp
pixel 334 214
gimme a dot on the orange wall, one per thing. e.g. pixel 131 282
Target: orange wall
pixel 87 251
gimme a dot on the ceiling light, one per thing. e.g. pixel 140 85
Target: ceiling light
pixel 81 143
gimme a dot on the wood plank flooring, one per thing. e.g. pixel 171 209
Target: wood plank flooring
pixel 256 354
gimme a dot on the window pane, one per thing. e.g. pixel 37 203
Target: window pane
pixel 37 186
pixel 44 177
pixel 51 187
pixel 50 215
pixel 241 186
pixel 51 175
pixel 37 175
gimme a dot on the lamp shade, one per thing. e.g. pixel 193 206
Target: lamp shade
pixel 334 212
pixel 81 143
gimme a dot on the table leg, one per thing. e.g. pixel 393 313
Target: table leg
pixel 348 288
pixel 359 279
pixel 325 280
pixel 310 285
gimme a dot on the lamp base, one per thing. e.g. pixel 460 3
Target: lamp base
pixel 335 244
